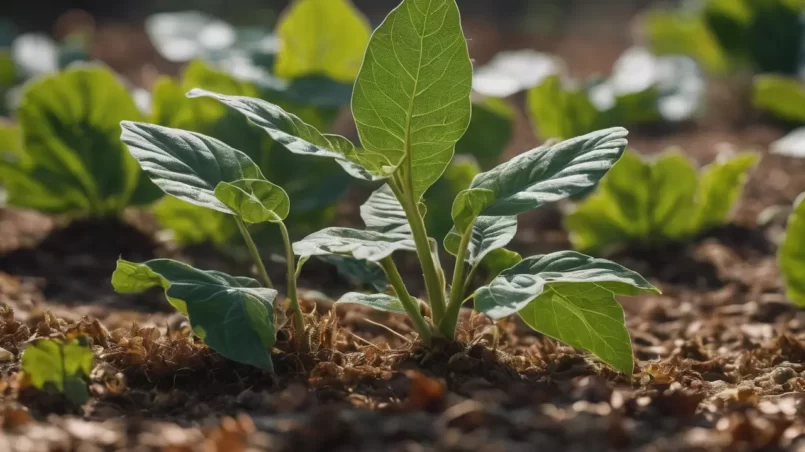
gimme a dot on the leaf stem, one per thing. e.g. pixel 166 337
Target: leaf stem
pixel 261 269
pixel 298 319
pixel 448 324
pixel 470 277
pixel 433 284
pixel 411 308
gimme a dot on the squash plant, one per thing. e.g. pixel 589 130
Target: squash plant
pixel 650 202
pixel 63 154
pixel 791 256
pixel 411 103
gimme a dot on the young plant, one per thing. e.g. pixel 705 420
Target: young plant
pixel 64 155
pixel 791 256
pixel 233 315
pixel 652 202
pixel 411 104
pixel 63 366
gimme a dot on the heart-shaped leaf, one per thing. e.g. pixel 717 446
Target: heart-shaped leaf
pixel 569 296
pixel 488 234
pixel 185 164
pixel 234 315
pixel 382 212
pixel 254 200
pixel 378 301
pixel 299 137
pixel 550 173
pixel 307 32
pixel 791 255
pixel 365 245
pixel 411 101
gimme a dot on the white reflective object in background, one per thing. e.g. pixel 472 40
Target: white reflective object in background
pixel 791 145
pixel 514 71
pixel 185 35
pixel 34 54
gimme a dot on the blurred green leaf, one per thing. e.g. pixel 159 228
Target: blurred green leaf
pixel 684 33
pixel 558 110
pixel 720 185
pixel 791 255
pixel 781 96
pixel 321 37
pixel 190 224
pixel 73 159
pixel 66 365
pixel 491 128
pixel 440 197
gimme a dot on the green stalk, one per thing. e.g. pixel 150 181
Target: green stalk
pixel 470 277
pixel 433 284
pixel 298 319
pixel 448 324
pixel 261 269
pixel 411 308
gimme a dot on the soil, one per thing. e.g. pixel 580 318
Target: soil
pixel 720 355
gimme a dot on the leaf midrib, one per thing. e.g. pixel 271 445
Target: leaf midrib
pixel 409 176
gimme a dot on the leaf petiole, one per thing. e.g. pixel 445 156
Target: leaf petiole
pixel 448 324
pixel 261 268
pixel 411 308
pixel 298 319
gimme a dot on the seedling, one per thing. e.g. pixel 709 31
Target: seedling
pixel 652 202
pixel 63 366
pixel 791 256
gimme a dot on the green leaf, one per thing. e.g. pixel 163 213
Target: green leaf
pixel 559 110
pixel 720 186
pixel 656 201
pixel 299 137
pixel 308 31
pixel 365 245
pixel 359 272
pixel 73 160
pixel 491 129
pixel 681 33
pixel 488 234
pixel 550 173
pixel 185 164
pixel 382 212
pixel 254 200
pixel 570 297
pixel 498 260
pixel 378 301
pixel 234 315
pixel 791 256
pixel 468 205
pixel 411 100
pixel 781 96
pixel 66 365
pixel 190 224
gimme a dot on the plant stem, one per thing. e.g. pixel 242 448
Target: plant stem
pixel 448 324
pixel 298 319
pixel 433 284
pixel 411 308
pixel 470 277
pixel 261 269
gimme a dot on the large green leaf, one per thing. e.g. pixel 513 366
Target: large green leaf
pixel 488 234
pixel 73 159
pixel 299 137
pixel 569 296
pixel 781 96
pixel 720 185
pixel 254 200
pixel 66 365
pixel 791 256
pixel 185 164
pixel 365 245
pixel 656 201
pixel 309 30
pixel 382 212
pixel 550 173
pixel 378 301
pixel 442 195
pixel 234 315
pixel 411 100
